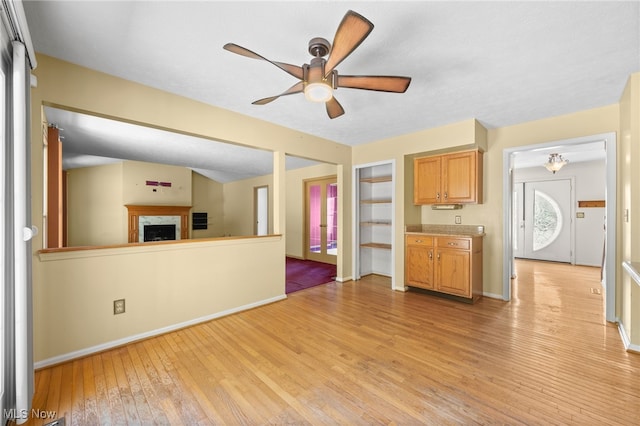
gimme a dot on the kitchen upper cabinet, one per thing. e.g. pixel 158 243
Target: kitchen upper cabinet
pixel 454 178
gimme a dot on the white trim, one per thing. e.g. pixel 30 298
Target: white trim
pixel 633 270
pixel 492 295
pixel 20 245
pixel 356 218
pixel 127 250
pixel 130 339
pixel 611 165
pixel 628 346
pixel 17 23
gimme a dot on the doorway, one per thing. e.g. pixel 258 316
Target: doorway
pixel 321 220
pixel 608 141
pixel 261 210
pixel 543 220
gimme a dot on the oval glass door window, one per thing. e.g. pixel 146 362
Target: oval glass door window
pixel 547 221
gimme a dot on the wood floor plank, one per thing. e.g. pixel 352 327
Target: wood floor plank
pixel 116 401
pixel 76 415
pixel 148 387
pixel 359 353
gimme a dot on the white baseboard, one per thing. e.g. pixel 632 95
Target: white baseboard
pixel 492 296
pixel 626 341
pixel 115 343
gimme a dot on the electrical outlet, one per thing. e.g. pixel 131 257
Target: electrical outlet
pixel 458 220
pixel 118 306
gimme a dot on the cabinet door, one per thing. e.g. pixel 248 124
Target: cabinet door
pixel 459 178
pixel 452 272
pixel 419 266
pixel 426 180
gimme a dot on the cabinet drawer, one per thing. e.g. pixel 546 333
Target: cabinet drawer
pixel 457 243
pixel 419 240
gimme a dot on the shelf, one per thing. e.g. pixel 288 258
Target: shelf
pixel 374 214
pixel 381 201
pixel 377 245
pixel 377 179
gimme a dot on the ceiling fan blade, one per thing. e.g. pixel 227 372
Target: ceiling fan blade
pixel 334 109
pixel 294 70
pixel 352 31
pixel 296 88
pixel 380 83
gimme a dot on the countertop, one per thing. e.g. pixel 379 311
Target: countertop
pixel 453 230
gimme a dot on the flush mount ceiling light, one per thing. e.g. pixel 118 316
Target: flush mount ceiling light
pixel 319 79
pixel 555 162
pixel 317 87
pixel 318 92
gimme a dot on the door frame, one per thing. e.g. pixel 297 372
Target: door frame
pixel 508 266
pixel 305 208
pixel 572 210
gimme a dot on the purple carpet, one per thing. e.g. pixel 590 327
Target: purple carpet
pixel 303 274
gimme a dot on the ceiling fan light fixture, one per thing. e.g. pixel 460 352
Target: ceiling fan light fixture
pixel 318 92
pixel 555 163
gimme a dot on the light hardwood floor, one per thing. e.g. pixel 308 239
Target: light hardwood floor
pixel 360 353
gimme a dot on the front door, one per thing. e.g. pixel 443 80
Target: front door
pixel 546 221
pixel 321 224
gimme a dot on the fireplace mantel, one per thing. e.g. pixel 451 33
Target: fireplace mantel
pixel 136 211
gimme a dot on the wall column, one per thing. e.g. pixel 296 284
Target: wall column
pixel 279 191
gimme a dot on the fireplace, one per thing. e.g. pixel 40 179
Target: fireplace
pixel 164 217
pixel 159 232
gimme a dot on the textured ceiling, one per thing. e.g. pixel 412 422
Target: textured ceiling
pixel 502 63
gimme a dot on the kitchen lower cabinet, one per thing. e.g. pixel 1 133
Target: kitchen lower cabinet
pixel 419 261
pixel 445 264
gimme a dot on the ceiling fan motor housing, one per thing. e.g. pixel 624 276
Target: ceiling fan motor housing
pixel 319 47
pixel 314 73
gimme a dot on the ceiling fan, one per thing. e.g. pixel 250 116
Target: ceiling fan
pixel 320 78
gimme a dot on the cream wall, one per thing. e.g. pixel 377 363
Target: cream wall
pixel 629 207
pixel 135 190
pixel 238 207
pixel 583 123
pixel 97 196
pixel 470 133
pixel 95 212
pixel 207 196
pixel 296 204
pixel 165 286
pixel 466 134
pixel 82 288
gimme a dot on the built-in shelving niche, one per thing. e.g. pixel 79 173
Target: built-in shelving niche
pixel 373 219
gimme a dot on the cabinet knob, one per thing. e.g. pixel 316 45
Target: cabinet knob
pixel 446 195
pixel 452 244
pixel 430 255
pixel 437 195
pixel 418 241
